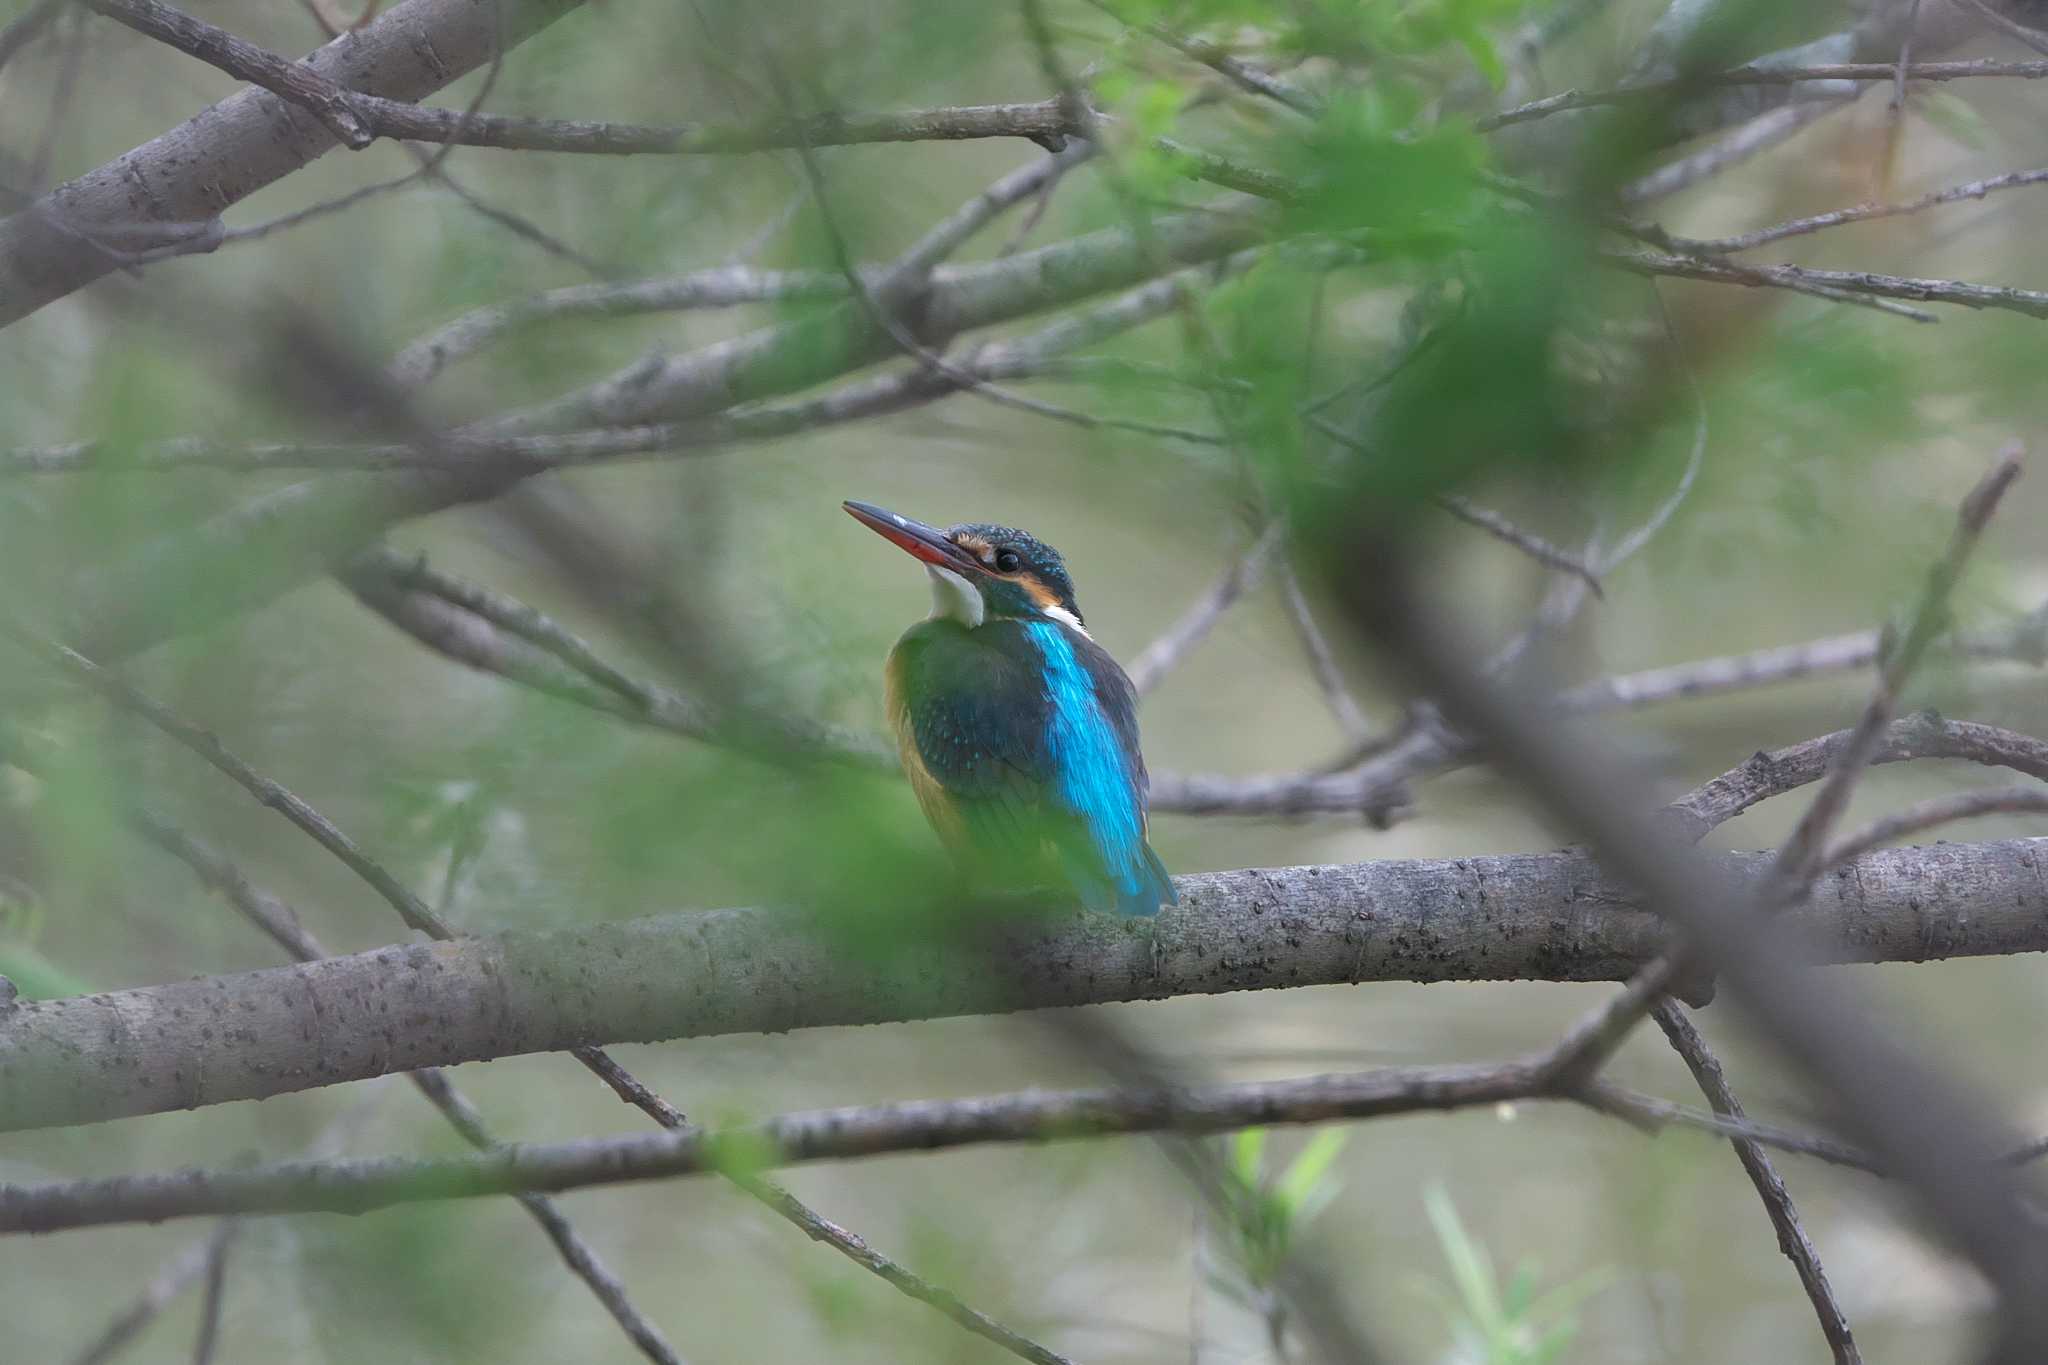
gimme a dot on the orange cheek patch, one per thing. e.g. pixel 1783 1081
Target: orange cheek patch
pixel 1045 597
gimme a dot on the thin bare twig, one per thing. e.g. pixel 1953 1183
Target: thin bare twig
pixel 295 83
pixel 1758 75
pixel 1528 542
pixel 25 29
pixel 1800 858
pixel 1859 213
pixel 1157 659
pixel 1322 659
pixel 2031 37
pixel 1926 815
pixel 1770 1187
pixel 215 1293
pixel 1221 60
pixel 61 98
pixel 177 1275
pixel 1861 288
pixel 1758 135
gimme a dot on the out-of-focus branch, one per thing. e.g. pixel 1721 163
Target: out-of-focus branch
pixel 1528 542
pixel 2031 37
pixel 717 287
pixel 1738 144
pixel 27 27
pixel 178 1274
pixel 1157 659
pixel 1841 286
pixel 1758 74
pixel 1859 213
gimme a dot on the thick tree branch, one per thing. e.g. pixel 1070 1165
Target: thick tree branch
pixel 168 194
pixel 1551 916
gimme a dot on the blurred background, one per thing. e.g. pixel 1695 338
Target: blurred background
pixel 1835 443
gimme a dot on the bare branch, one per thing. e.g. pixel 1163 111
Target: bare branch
pixel 1770 1187
pixel 1157 659
pixel 1758 74
pixel 81 230
pixel 216 1289
pixel 2031 37
pixel 1322 659
pixel 1758 135
pixel 1926 815
pixel 1528 542
pixel 177 1275
pixel 1799 860
pixel 360 1186
pixel 1221 60
pixel 27 27
pixel 1553 916
pixel 718 287
pixel 1836 286
pixel 297 83
pixel 1860 213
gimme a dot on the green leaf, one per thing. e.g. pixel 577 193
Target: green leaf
pixel 1247 1156
pixel 1471 1270
pixel 1305 1173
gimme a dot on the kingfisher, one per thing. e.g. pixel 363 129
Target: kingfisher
pixel 1018 731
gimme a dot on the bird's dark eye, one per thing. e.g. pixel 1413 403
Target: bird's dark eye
pixel 1007 561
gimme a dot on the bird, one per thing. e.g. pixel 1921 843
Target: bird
pixel 1019 733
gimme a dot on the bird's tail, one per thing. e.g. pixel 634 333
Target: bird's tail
pixel 1136 890
pixel 1154 887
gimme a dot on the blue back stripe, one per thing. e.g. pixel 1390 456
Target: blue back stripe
pixel 1088 764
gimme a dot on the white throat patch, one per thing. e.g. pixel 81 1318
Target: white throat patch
pixel 954 598
pixel 1058 613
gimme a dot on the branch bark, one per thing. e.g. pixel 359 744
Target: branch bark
pixel 1549 916
pixel 167 195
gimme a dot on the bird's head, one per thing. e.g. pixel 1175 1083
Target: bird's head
pixel 981 572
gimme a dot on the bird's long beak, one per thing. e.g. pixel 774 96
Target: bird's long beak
pixel 927 543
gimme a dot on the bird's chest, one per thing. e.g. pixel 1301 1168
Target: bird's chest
pixel 969 707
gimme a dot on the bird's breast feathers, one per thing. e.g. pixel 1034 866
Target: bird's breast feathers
pixel 1020 737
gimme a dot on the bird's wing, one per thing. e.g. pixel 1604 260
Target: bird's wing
pixel 970 717
pixel 1093 736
